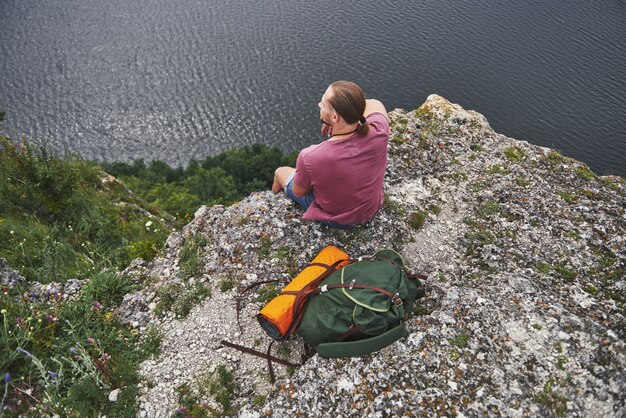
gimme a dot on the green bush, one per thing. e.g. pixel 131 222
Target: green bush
pixel 223 179
pixel 58 220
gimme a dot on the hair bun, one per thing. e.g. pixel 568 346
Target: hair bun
pixel 362 120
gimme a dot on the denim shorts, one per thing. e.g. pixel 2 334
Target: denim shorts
pixel 306 200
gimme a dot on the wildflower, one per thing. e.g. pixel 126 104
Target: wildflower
pixel 96 306
pixel 105 356
pixel 7 378
pixel 12 232
pixel 51 318
pixel 72 350
pixel 91 340
pixel 53 375
pixel 3 311
pixel 148 224
pixel 20 322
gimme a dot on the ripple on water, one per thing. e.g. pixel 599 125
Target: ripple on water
pixel 160 80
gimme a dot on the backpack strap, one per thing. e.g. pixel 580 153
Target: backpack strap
pixel 303 294
pixel 395 297
pixel 270 358
pixel 410 274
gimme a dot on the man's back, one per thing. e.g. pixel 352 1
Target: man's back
pixel 346 175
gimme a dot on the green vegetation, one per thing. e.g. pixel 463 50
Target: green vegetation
pixel 585 173
pixel 489 208
pixel 417 219
pixel 393 207
pixel 259 400
pixel 227 283
pixel 220 385
pixel 62 219
pixel 222 389
pixel 461 340
pixel 265 246
pixel 556 403
pixel 476 147
pixel 436 209
pixel 190 258
pixel 180 300
pixel 67 355
pixel 223 179
pixel 522 181
pixel 497 169
pixel 514 154
pixel 568 197
pixel 267 293
pixel 553 158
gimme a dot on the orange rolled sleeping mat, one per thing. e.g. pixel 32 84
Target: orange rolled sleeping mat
pixel 277 317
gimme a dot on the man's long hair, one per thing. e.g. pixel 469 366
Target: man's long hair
pixel 348 100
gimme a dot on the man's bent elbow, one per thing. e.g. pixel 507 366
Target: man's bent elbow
pixel 298 191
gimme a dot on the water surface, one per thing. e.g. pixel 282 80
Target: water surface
pixel 157 79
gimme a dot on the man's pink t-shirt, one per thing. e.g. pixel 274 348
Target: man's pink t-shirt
pixel 346 175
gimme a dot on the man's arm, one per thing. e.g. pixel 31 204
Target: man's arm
pixel 298 191
pixel 373 106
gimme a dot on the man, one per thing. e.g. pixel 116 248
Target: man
pixel 340 181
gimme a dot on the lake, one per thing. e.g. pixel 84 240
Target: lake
pixel 176 80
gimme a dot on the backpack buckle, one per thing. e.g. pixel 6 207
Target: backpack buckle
pixel 396 300
pixel 352 283
pixel 324 288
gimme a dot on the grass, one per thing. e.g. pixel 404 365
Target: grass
pixel 585 173
pixel 489 208
pixel 393 207
pixel 222 389
pixel 553 158
pixel 554 402
pixel 259 400
pixel 435 209
pixel 283 252
pixel 227 283
pixel 514 154
pixel 179 300
pixel 461 340
pixel 417 219
pixel 108 287
pixel 190 257
pixel 522 181
pixel 497 169
pixel 59 220
pixel 566 273
pixel 67 354
pixel 478 235
pixel 264 248
pixel 267 293
pixel 568 197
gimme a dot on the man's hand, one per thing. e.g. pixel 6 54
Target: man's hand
pixel 327 130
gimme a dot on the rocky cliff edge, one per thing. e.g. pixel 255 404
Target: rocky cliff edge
pixel 524 314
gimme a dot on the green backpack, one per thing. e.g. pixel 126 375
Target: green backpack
pixel 360 308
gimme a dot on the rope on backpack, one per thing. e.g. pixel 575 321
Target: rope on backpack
pixel 270 358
